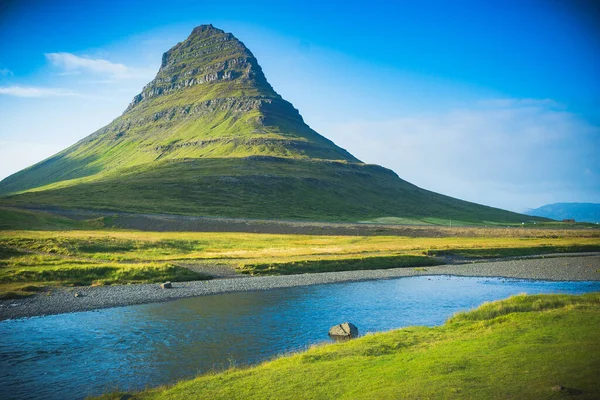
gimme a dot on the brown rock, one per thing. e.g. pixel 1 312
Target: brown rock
pixel 346 329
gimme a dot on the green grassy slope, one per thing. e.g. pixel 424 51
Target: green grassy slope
pixel 11 218
pixel 263 187
pixel 518 348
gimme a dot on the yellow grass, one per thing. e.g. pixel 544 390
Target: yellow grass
pixel 238 247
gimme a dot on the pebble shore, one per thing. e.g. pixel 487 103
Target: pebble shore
pixel 64 300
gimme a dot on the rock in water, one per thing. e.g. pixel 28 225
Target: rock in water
pixel 345 330
pixel 166 285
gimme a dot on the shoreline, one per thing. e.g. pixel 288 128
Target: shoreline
pixel 63 300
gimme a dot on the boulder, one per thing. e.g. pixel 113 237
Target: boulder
pixel 345 330
pixel 166 285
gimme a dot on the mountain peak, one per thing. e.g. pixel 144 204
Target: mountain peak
pixel 205 28
pixel 211 78
pixel 208 55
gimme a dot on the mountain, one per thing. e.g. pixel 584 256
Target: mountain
pixel 580 212
pixel 210 136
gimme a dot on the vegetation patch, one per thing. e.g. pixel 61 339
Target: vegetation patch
pixel 332 265
pixel 99 274
pixel 14 218
pixel 516 251
pixel 23 274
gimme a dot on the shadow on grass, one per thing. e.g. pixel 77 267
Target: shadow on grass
pixel 513 252
pixel 91 275
pixel 353 264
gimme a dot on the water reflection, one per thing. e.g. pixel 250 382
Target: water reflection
pixel 81 354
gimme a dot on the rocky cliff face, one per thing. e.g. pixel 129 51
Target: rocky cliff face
pixel 209 55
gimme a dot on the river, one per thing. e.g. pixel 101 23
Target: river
pixel 130 348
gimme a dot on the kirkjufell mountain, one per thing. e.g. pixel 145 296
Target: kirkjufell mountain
pixel 210 136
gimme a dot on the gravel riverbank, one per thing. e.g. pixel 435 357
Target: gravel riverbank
pixel 63 300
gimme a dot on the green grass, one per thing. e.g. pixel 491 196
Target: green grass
pixel 517 348
pixel 352 264
pixel 93 257
pixel 516 252
pixel 21 281
pixel 126 246
pixel 11 218
pixel 23 273
pixel 80 275
pixel 267 187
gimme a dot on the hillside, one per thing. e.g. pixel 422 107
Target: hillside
pixel 580 212
pixel 210 136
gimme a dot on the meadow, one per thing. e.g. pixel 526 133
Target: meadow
pixel 32 261
pixel 525 347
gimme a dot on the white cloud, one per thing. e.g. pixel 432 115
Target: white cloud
pixel 512 153
pixel 34 91
pixel 72 65
pixel 6 72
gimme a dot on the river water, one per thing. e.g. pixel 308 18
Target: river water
pixel 130 348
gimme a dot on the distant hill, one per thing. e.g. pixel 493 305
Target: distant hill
pixel 580 212
pixel 210 136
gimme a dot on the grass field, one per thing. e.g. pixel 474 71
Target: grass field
pixel 22 273
pixel 31 260
pixel 518 348
pixel 12 218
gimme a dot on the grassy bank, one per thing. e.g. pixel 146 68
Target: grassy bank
pixel 519 348
pixel 11 218
pixel 334 265
pixel 23 274
pixel 78 257
pixel 491 252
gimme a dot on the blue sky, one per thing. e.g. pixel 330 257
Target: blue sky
pixel 496 102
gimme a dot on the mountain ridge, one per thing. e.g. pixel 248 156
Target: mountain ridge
pixel 580 212
pixel 210 136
